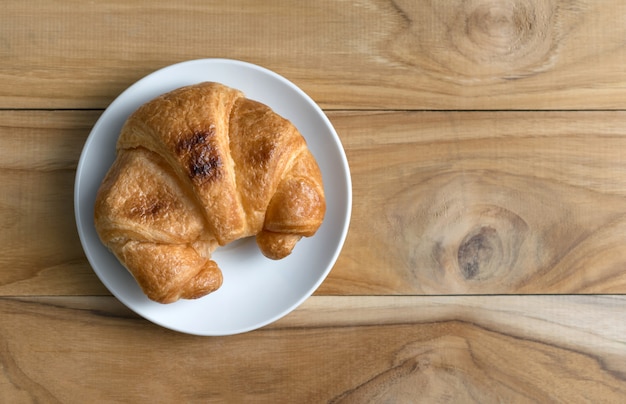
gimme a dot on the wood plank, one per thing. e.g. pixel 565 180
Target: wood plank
pixel 333 349
pixel 367 54
pixel 444 203
pixel 40 252
pixel 484 202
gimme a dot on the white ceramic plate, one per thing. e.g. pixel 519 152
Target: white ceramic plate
pixel 256 291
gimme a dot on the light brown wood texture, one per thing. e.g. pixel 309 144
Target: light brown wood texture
pixel 334 349
pixel 403 54
pixel 485 259
pixel 40 252
pixel 484 202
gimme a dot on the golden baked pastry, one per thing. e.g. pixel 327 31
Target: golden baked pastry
pixel 198 168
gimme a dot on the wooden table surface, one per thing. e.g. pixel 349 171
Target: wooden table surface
pixel 485 259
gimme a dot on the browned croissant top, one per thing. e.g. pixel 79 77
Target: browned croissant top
pixel 199 167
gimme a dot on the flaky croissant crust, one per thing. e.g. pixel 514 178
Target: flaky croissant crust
pixel 197 168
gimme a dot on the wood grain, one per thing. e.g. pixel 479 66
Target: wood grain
pixel 458 202
pixel 40 252
pixel 333 349
pixel 444 203
pixel 368 54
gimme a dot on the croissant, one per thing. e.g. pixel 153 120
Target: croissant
pixel 197 168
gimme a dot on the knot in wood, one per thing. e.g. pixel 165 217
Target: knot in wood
pixel 477 252
pixel 481 41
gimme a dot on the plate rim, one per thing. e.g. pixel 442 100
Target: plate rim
pixel 346 208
